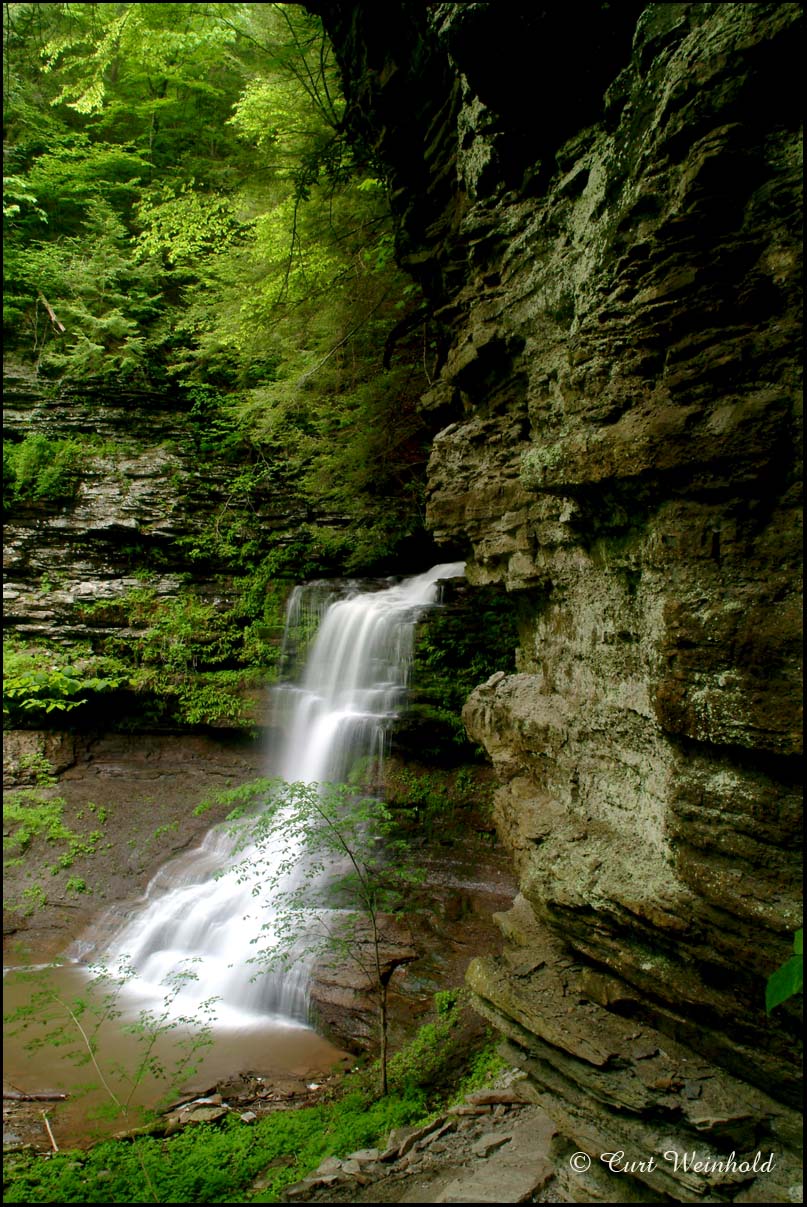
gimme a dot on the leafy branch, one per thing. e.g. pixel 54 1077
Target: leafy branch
pixel 788 979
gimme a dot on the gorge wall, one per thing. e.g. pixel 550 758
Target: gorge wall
pixel 603 210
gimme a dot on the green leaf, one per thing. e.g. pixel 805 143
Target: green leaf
pixel 785 982
pixel 798 941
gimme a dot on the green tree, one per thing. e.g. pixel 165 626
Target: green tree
pixel 98 98
pixel 333 874
pixel 183 209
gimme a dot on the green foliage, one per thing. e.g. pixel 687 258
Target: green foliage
pixel 101 98
pixel 39 680
pixel 40 469
pixel 178 633
pixel 457 649
pixel 213 698
pixel 85 302
pixel 432 1056
pixel 446 1058
pixel 788 979
pixel 483 1067
pixel 436 803
pixel 37 766
pixel 75 1026
pixel 36 815
pixel 329 826
pixel 214 426
pixel 446 1000
pixel 207 1164
pixel 351 871
pixel 32 813
pixel 190 661
pixel 183 206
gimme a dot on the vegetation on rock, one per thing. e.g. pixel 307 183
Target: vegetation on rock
pixel 183 212
pixel 185 219
pixel 37 814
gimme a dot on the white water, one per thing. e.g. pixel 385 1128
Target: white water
pixel 193 916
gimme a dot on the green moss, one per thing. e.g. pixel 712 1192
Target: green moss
pixel 536 461
pixel 438 801
pixel 35 815
pixel 457 647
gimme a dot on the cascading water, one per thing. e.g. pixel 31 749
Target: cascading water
pixel 353 685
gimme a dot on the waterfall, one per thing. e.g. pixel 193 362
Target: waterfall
pixel 351 688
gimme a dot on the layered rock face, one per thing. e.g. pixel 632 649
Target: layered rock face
pixel 615 261
pixel 141 494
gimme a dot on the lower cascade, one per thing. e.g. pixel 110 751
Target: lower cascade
pixel 198 918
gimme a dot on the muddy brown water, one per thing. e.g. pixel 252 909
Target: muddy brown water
pixel 137 1062
pixel 145 785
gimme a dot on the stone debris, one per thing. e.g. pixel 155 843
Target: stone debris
pixel 509 1097
pixel 457 1158
pixel 208 1100
pixel 416 1134
pixel 488 1143
pixel 331 1165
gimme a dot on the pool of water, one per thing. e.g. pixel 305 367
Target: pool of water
pixel 112 1058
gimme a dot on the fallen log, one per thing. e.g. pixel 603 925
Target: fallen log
pixel 45 1096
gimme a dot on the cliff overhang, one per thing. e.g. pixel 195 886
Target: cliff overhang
pixel 605 218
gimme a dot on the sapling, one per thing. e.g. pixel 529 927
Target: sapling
pixel 75 1025
pixel 333 875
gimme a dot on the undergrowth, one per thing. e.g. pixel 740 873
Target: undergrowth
pixel 222 1163
pixel 36 815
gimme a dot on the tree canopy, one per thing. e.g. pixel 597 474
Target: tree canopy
pixel 182 210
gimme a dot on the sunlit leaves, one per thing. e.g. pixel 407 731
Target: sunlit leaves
pixel 17 196
pixel 38 681
pixel 108 49
pixel 266 115
pixel 188 225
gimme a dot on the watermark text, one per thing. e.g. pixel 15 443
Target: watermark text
pixel 687 1162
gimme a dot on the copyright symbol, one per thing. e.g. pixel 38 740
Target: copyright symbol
pixel 580 1162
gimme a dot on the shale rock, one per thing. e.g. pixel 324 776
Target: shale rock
pixel 344 992
pixel 488 1160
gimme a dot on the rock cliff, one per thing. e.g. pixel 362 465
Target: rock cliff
pixel 604 214
pixel 146 527
pixel 140 500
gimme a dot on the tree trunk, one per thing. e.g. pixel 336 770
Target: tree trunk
pixel 383 1022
